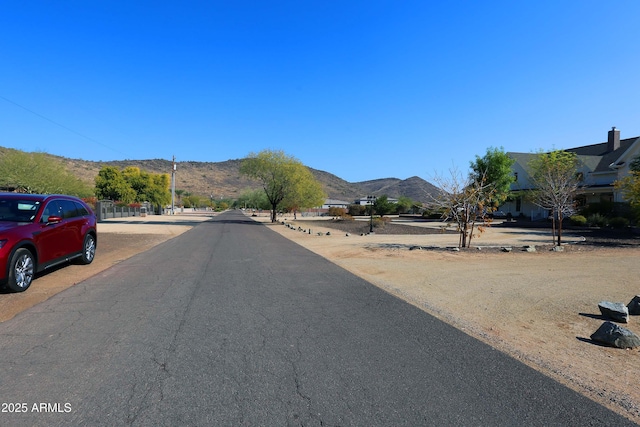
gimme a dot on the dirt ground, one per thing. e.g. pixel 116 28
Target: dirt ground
pixel 539 307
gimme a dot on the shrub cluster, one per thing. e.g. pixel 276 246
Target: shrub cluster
pixel 596 220
pixel 578 220
pixel 619 222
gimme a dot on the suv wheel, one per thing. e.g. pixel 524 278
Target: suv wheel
pixel 88 249
pixel 21 270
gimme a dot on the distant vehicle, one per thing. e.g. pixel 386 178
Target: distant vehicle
pixel 498 215
pixel 39 231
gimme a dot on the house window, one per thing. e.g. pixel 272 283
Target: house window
pixel 515 175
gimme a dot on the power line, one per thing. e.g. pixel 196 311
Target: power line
pixel 61 125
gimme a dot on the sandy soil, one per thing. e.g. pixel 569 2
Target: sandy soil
pixel 539 307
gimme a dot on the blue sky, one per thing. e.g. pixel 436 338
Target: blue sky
pixel 361 89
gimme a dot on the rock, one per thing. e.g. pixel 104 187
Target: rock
pixel 634 305
pixel 320 233
pixel 506 249
pixel 616 336
pixel 615 311
pixel 455 249
pixel 328 233
pixel 530 248
pixel 558 249
pixel 348 234
pixel 415 248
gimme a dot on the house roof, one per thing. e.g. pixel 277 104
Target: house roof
pixel 590 154
pixel 594 157
pixel 335 202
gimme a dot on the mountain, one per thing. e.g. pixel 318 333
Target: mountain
pixel 414 188
pixel 223 179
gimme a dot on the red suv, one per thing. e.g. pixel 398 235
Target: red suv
pixel 39 231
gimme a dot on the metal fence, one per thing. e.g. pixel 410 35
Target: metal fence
pixel 107 209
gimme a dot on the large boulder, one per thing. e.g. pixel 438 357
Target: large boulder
pixel 615 311
pixel 634 305
pixel 616 336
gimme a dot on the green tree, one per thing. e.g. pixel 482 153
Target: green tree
pixel 305 193
pixel 555 179
pixel 404 204
pixel 282 177
pixel 179 194
pixel 39 173
pixel 191 201
pixel 493 172
pixel 111 185
pixel 382 206
pixel 253 199
pixel 157 191
pixel 133 185
pixel 630 185
pixel 149 187
pixel 137 180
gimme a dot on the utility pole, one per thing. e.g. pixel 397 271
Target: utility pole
pixel 173 186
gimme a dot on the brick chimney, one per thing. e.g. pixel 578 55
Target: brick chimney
pixel 613 139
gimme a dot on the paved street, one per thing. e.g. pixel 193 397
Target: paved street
pixel 232 324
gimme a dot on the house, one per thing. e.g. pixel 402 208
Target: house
pixel 365 201
pixel 599 166
pixel 333 203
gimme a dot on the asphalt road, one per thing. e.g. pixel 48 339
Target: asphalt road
pixel 231 324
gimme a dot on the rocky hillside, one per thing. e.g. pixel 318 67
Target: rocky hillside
pixel 223 179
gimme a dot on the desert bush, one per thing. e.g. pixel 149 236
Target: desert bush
pixel 357 210
pixel 337 212
pixel 380 222
pixel 91 201
pixel 596 220
pixel 578 220
pixel 619 222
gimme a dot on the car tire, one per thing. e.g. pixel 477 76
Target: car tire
pixel 88 249
pixel 22 269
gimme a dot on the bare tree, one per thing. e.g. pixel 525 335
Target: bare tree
pixel 462 200
pixel 555 178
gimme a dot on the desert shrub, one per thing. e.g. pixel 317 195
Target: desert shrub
pixel 597 208
pixel 619 222
pixel 357 210
pixel 380 222
pixel 635 215
pixel 91 201
pixel 596 220
pixel 337 212
pixel 578 220
pixel 432 215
